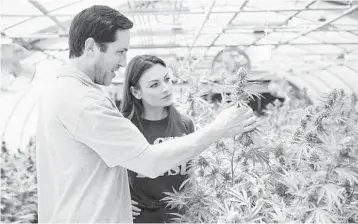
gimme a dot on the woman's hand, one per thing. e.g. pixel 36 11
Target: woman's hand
pixel 135 209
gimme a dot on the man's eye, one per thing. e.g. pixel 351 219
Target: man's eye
pixel 167 79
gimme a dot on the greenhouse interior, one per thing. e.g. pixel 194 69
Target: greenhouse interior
pixel 293 62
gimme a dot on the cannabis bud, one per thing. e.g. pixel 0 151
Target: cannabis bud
pixel 242 98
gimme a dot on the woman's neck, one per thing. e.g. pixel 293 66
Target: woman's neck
pixel 154 113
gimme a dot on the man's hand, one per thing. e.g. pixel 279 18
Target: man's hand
pixel 234 121
pixel 135 210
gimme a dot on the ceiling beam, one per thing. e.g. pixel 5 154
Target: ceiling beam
pixel 351 87
pixel 166 11
pixel 333 26
pixel 222 46
pixel 295 15
pixel 223 30
pixel 46 13
pixel 49 35
pixel 45 36
pixel 206 17
pixel 332 64
pixel 35 16
pixel 353 8
pixel 285 22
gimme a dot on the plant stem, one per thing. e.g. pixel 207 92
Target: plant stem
pixel 232 171
pixel 232 165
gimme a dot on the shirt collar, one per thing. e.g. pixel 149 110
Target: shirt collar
pixel 70 71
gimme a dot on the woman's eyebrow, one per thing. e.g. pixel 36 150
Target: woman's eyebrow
pixel 154 80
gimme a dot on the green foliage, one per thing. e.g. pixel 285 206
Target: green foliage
pixel 300 167
pixel 18 186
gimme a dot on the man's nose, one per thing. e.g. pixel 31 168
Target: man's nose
pixel 123 61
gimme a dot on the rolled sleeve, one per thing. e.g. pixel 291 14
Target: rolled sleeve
pixel 113 137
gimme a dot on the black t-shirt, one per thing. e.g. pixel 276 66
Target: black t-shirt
pixel 148 192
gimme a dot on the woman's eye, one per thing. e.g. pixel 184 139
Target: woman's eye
pixel 154 85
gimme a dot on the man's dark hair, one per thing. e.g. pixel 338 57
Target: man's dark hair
pixel 99 22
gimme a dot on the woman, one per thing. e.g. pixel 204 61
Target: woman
pixel 148 103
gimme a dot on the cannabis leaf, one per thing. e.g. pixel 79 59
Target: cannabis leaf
pixel 279 213
pixel 320 215
pixel 241 196
pixel 347 173
pixel 333 195
pixel 175 199
pixel 258 156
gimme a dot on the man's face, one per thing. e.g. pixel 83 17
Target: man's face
pixel 108 62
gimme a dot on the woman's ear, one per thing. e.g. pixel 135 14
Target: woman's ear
pixel 136 93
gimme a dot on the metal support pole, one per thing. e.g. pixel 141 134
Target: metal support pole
pixel 45 12
pixel 221 46
pixel 32 16
pixel 207 15
pixel 353 8
pixel 187 11
pixel 285 22
pixel 331 65
pixel 222 31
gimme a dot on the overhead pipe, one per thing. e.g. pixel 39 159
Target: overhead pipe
pixel 353 8
pixel 207 15
pixel 190 11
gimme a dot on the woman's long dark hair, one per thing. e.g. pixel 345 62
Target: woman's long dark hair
pixel 132 108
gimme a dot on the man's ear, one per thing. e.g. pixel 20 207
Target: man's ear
pixel 136 93
pixel 90 46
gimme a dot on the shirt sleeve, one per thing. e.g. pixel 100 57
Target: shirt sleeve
pixel 114 138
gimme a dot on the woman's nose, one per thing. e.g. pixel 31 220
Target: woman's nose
pixel 165 88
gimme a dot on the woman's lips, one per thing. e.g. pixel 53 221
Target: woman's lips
pixel 167 96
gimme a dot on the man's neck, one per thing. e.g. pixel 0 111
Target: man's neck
pixel 81 65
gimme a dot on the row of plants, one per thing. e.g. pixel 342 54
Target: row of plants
pixel 299 167
pixel 18 185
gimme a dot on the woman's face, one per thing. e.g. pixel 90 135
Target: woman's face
pixel 155 87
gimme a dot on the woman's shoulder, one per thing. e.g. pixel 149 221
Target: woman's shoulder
pixel 185 118
pixel 188 122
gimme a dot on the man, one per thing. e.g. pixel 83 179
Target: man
pixel 84 145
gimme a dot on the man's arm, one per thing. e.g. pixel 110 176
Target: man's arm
pixel 159 158
pixel 119 143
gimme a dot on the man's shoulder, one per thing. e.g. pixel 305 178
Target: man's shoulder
pixel 72 96
pixel 72 91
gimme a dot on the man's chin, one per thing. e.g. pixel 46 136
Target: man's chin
pixel 108 82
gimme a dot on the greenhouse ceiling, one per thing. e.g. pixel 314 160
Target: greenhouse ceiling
pixel 280 36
